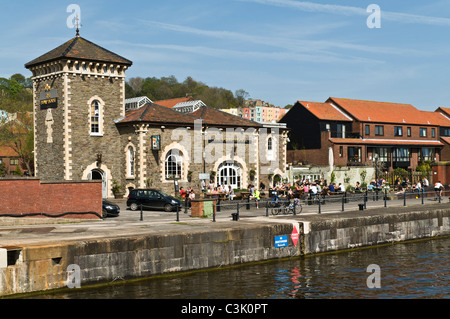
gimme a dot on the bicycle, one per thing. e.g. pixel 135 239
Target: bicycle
pixel 288 208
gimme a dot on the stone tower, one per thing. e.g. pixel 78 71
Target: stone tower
pixel 79 91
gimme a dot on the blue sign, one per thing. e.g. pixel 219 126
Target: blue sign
pixel 281 241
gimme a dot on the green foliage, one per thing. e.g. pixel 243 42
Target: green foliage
pixel 3 170
pixel 169 87
pixel 333 177
pixel 16 94
pixel 18 171
pixel 424 167
pixel 400 171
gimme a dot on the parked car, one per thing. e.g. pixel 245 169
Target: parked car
pixel 109 209
pixel 152 199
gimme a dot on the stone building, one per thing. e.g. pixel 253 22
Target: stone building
pixel 83 130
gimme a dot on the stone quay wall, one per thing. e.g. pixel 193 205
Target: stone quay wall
pixel 42 267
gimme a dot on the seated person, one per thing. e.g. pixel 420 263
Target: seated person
pixel 331 188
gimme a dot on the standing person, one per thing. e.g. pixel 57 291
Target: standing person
pixel 255 195
pixel 203 186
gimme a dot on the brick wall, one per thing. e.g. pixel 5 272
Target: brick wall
pixel 25 196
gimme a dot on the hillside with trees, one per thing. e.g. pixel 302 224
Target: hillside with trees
pixel 169 87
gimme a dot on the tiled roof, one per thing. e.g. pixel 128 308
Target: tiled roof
pixel 172 102
pixel 325 111
pixel 381 112
pixel 393 142
pixel 81 49
pixel 154 113
pixel 445 139
pixel 435 118
pixel 211 116
pixel 6 151
pixel 445 110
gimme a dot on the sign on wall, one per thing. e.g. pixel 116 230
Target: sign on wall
pixel 156 142
pixel 48 98
pixel 281 241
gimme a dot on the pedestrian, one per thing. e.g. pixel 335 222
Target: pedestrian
pixel 255 195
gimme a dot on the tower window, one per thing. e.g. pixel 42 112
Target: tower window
pixel 95 118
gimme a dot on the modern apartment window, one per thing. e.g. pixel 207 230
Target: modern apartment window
pixel 408 131
pixel 367 129
pixel 398 131
pixel 354 154
pixel 427 154
pixel 423 132
pixel 401 154
pixel 445 132
pixel 340 130
pixel 433 132
pixel 379 130
pixel 383 154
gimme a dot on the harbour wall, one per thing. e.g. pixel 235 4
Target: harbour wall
pixel 37 267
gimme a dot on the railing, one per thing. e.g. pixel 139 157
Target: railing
pixel 318 204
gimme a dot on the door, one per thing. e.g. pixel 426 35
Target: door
pixel 97 174
pixel 229 174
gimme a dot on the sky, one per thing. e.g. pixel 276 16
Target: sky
pixel 279 51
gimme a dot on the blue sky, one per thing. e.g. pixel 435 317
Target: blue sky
pixel 280 51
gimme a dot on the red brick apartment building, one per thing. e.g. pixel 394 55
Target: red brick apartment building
pixel 354 132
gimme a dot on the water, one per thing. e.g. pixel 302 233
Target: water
pixel 408 270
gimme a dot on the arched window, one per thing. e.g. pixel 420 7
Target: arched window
pixel 269 144
pixel 174 164
pixel 95 118
pixel 130 163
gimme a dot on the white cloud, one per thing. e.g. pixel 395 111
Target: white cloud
pixel 348 10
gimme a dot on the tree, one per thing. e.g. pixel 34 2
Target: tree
pixel 18 134
pixel 241 95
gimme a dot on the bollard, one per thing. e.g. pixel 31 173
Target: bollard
pixel 295 204
pixel 343 200
pixel 218 205
pixel 385 198
pixel 248 203
pixel 267 209
pixel 142 216
pixel 320 208
pixel 365 200
pixel 404 198
pixel 178 213
pixel 214 213
pixel 422 195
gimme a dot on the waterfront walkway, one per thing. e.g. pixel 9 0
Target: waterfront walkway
pixel 40 231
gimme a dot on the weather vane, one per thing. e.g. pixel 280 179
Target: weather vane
pixel 78 25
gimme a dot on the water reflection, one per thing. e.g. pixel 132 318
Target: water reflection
pixel 410 270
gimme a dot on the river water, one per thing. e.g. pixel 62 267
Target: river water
pixel 418 269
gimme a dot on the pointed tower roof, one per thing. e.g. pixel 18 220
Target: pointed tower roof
pixel 80 49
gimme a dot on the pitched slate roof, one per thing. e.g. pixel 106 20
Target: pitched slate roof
pixel 382 112
pixel 80 49
pixel 154 113
pixel 211 116
pixel 325 111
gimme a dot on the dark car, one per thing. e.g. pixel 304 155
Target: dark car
pixel 109 209
pixel 152 199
